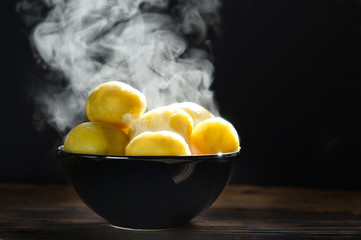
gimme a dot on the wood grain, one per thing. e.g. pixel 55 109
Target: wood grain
pixel 242 212
pixel 289 199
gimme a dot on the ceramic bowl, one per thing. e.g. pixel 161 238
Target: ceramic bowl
pixel 148 192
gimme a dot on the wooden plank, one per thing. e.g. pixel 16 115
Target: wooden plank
pixel 81 223
pixel 242 212
pixel 289 199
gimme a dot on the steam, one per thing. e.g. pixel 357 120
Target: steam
pixel 156 46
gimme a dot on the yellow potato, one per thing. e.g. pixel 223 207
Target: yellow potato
pixel 163 119
pixel 96 138
pixel 214 135
pixel 115 103
pixel 161 143
pixel 197 112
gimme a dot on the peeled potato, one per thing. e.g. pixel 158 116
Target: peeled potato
pixel 163 119
pixel 96 138
pixel 161 143
pixel 197 112
pixel 214 135
pixel 115 103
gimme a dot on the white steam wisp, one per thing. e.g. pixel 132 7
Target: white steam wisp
pixel 144 43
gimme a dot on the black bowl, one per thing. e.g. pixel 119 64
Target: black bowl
pixel 148 192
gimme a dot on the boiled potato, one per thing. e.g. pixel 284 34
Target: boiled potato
pixel 214 135
pixel 115 103
pixel 197 112
pixel 161 143
pixel 96 138
pixel 163 119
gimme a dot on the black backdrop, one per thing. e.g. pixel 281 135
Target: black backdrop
pixel 287 76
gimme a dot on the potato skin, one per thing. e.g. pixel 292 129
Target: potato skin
pixel 161 143
pixel 213 136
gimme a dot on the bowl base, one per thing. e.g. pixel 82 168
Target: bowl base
pixel 145 229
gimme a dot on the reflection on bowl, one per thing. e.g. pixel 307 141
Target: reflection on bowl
pixel 148 192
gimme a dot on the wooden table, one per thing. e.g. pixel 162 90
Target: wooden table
pixel 242 212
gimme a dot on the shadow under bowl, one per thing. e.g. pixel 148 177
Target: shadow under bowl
pixel 148 192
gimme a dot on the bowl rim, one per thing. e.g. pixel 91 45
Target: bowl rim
pixel 182 158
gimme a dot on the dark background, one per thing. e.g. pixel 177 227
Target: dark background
pixel 287 76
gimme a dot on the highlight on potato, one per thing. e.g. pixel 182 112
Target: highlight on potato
pixel 119 125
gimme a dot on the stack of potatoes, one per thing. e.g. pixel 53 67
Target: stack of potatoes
pixel 119 126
